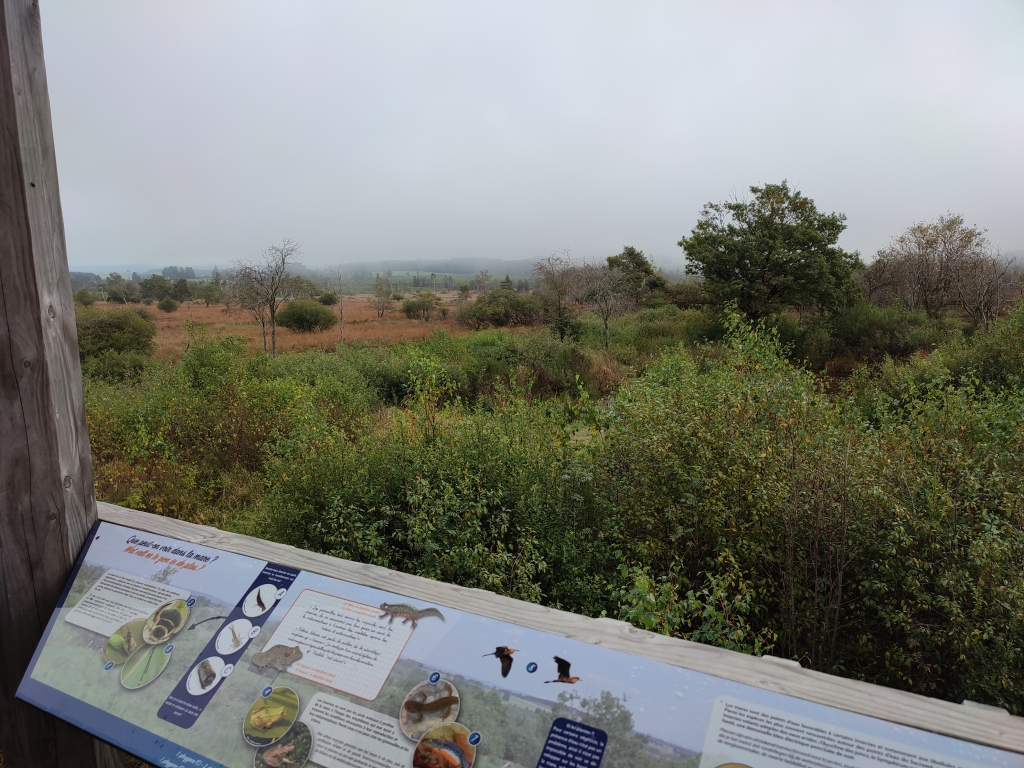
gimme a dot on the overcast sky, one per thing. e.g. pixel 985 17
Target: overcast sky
pixel 195 132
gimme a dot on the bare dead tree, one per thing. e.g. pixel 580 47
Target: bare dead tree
pixel 925 266
pixel 267 282
pixel 609 292
pixel 562 280
pixel 984 285
pixel 336 275
pixel 249 301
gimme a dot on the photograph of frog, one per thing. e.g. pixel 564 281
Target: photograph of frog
pixel 123 643
pixel 445 746
pixel 270 717
pixel 427 705
pixel 292 750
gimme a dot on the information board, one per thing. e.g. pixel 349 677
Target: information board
pixel 191 657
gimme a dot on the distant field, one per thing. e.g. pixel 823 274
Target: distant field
pixel 361 322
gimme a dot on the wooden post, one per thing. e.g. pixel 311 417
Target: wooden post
pixel 47 503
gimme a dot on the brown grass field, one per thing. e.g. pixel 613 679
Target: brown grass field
pixel 361 323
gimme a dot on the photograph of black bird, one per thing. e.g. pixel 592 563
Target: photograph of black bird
pixel 563 672
pixel 504 654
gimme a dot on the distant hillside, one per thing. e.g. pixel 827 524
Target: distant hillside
pixel 467 266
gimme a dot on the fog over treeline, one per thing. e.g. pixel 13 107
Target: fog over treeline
pixel 198 133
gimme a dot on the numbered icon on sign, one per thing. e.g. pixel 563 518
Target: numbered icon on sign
pixel 265 693
pixel 228 669
pixel 281 593
pixel 474 738
pixel 434 677
pixel 190 602
pixel 169 648
pixel 253 632
pixel 531 667
pixel 108 666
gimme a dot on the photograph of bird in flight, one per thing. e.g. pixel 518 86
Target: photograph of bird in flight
pixel 563 672
pixel 504 654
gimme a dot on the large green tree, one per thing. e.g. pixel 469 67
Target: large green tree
pixel 771 252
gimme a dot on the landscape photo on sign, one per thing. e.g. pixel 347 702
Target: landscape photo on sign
pixel 327 676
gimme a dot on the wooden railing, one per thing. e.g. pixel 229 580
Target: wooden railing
pixel 971 722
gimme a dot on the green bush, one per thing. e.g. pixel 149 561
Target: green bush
pixel 114 366
pixel 83 297
pixel 328 299
pixel 740 491
pixel 500 308
pixel 167 304
pixel 994 357
pixel 306 316
pixel 118 330
pixel 421 307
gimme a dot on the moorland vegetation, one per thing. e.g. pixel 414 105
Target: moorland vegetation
pixel 787 453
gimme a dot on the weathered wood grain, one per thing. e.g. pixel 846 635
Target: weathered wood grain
pixel 46 488
pixel 984 725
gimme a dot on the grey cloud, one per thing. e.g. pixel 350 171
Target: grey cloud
pixel 198 132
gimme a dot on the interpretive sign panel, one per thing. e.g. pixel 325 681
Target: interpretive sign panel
pixel 192 657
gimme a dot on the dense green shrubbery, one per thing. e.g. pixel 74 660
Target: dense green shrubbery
pixel 114 344
pixel 500 308
pixel 118 330
pixel 722 496
pixel 167 304
pixel 306 315
pixel 886 552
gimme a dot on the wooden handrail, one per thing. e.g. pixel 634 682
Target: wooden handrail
pixel 980 724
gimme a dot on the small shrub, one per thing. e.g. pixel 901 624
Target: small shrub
pixel 329 299
pixel 119 330
pixel 84 298
pixel 420 308
pixel 500 308
pixel 305 316
pixel 167 304
pixel 114 366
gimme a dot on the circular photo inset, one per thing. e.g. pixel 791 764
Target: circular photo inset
pixel 204 676
pixel 123 643
pixel 268 719
pixel 165 622
pixel 260 600
pixel 445 745
pixel 144 665
pixel 233 637
pixel 292 750
pixel 427 705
